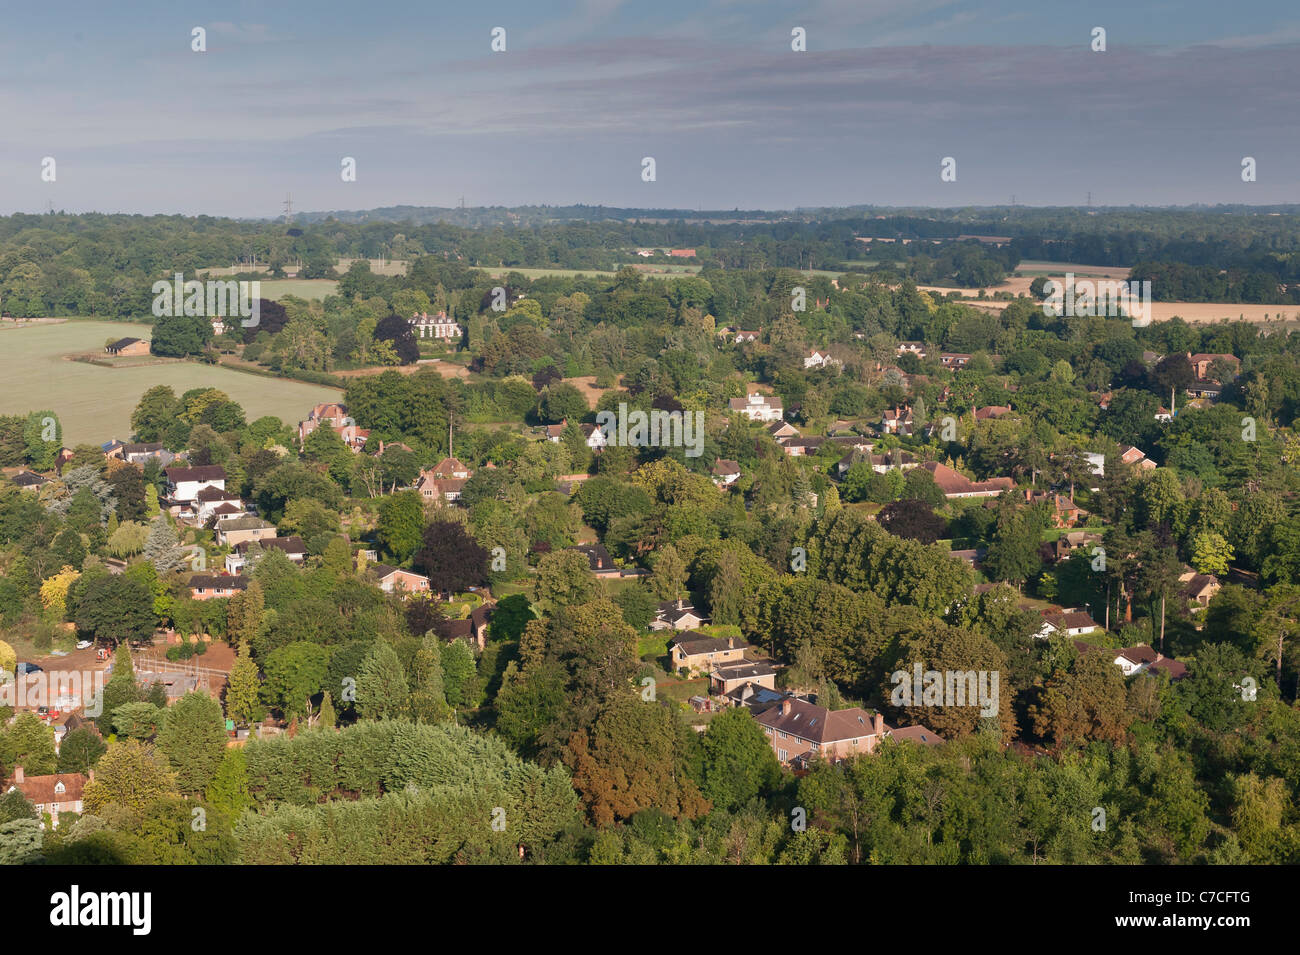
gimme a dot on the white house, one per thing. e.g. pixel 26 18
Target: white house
pixel 434 326
pixel 758 407
pixel 184 484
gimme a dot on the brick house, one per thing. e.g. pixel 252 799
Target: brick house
pixel 55 794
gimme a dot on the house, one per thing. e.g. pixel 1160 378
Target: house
pixel 54 794
pixel 1072 623
pixel 817 359
pixel 554 432
pixel 1198 590
pixel 599 559
pixel 395 580
pixel 213 502
pixel 758 407
pixel 1064 512
pixel 184 484
pixel 757 698
pixel 682 253
pixel 138 453
pixel 1067 544
pixel 911 348
pixel 208 586
pixel 1163 415
pixel 444 481
pixel 247 554
pixel 434 326
pixel 800 447
pixel 725 472
pixel 677 615
pixel 698 654
pixel 991 412
pixel 781 431
pixel 725 678
pixel 595 437
pixel 1131 455
pixel 1206 388
pixel 954 360
pixel 241 530
pixel 956 485
pixel 894 421
pixel 799 731
pixel 746 335
pixel 335 416
pixel 125 347
pixel 474 627
pixel 1141 659
pixel 28 480
pixel 1202 362
pixel 175 685
pixel 880 463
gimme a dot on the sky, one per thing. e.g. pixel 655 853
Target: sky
pixel 137 121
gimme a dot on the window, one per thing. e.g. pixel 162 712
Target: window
pixel 781 734
pixel 781 754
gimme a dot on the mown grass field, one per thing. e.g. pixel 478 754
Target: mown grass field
pixel 274 289
pixel 95 403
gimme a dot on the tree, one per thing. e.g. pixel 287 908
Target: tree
pixel 29 743
pixel 727 591
pixel 401 523
pixel 193 738
pixel 1085 702
pixel 1013 552
pixel 80 751
pixel 396 330
pixel 382 689
pixel 1211 553
pixel 132 775
pixel 912 519
pixel 428 702
pixel 451 558
pixel 120 689
pixel 115 608
pixel 162 546
pixel 243 704
pixel 668 576
pixel 228 791
pixel 563 579
pixel 460 677
pixel 178 336
pixel 737 761
pixel 294 674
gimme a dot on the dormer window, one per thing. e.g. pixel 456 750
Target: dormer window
pixel 59 788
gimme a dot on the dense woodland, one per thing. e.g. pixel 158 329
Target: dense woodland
pixel 547 731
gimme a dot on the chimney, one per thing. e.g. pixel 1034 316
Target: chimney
pixel 878 724
pixel 18 774
pixel 679 603
pixel 785 706
pixel 731 643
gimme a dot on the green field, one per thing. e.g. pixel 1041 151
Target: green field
pixel 95 403
pixel 274 289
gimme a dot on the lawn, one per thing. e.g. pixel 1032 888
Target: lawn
pixel 94 403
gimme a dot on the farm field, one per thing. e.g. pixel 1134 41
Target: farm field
pixel 274 289
pixel 95 403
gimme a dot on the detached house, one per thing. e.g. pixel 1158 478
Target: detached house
pixel 954 360
pixel 818 359
pixel 1198 590
pixel 1140 659
pixel 599 559
pixel 241 530
pixel 800 732
pixel 209 586
pixel 54 794
pixel 247 554
pixel 697 653
pixel 394 580
pixel 334 415
pixel 1071 623
pixel 184 484
pixel 725 472
pixel 676 615
pixel 956 485
pixel 895 421
pixel 758 407
pixel 444 481
pixel 434 326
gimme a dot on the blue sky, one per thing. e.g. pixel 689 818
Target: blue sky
pixel 137 122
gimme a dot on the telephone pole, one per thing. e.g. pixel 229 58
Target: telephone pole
pixel 288 209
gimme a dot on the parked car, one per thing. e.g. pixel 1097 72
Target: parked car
pixel 84 644
pixel 28 668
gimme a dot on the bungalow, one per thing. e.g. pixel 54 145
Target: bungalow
pixel 725 472
pixel 956 485
pixel 240 530
pixel 554 432
pixel 800 447
pixel 29 481
pixel 991 412
pixel 138 453
pixel 748 335
pixel 184 484
pixel 599 559
pixel 208 586
pixel 1142 659
pixel 697 653
pixel 247 554
pixel 676 615
pixel 55 794
pixel 1072 623
pixel 911 348
pixel 954 359
pixel 758 407
pixel 125 347
pixel 394 580
pixel 727 677
pixel 780 430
